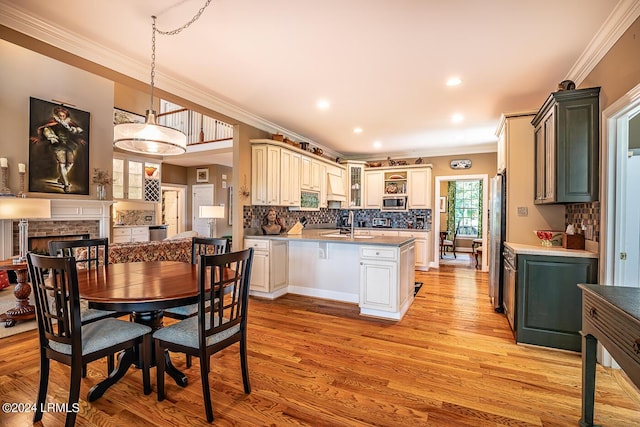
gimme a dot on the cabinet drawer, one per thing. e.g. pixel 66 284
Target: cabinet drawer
pixel 614 324
pixel 377 252
pixel 121 232
pixel 257 244
pixel 140 232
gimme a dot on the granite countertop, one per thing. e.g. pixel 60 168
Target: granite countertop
pixel 522 249
pixel 320 235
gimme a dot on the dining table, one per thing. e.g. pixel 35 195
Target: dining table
pixel 145 290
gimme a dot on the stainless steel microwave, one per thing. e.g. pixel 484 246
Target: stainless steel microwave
pixel 394 203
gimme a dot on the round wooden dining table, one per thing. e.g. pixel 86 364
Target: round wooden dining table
pixel 143 289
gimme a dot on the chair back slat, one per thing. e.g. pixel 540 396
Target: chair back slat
pixel 229 285
pixel 89 253
pixel 55 286
pixel 206 246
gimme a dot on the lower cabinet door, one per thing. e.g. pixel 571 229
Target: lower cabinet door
pixel 378 285
pixel 260 272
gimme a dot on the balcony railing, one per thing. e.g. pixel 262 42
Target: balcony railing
pixel 198 127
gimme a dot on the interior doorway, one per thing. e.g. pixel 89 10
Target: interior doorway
pixel 173 208
pixel 439 180
pixel 202 196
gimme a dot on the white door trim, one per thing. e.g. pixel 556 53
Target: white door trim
pixel 614 133
pixel 436 215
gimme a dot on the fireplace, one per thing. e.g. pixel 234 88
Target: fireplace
pixel 40 244
pixel 68 217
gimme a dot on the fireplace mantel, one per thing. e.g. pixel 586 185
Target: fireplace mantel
pixel 63 210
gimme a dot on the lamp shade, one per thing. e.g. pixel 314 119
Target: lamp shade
pixel 149 137
pixel 211 211
pixel 23 208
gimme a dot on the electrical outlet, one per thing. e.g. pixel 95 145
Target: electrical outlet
pixel 523 211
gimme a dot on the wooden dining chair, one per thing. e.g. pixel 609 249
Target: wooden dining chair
pixel 212 330
pixel 199 246
pixel 89 254
pixel 446 244
pixel 64 338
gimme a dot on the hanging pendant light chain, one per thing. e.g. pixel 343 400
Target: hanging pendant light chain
pixel 194 19
pixel 167 33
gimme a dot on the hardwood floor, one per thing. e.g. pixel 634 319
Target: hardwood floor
pixel 451 361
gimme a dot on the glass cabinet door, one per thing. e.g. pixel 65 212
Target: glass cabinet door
pixel 118 178
pixel 135 171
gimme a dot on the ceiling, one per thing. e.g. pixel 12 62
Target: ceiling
pixel 381 64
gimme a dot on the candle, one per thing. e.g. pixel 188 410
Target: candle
pixel 3 162
pixel 22 168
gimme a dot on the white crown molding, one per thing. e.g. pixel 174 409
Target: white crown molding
pixel 623 15
pixel 18 20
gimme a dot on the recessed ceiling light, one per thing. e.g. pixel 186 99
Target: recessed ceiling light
pixel 377 144
pixel 457 118
pixel 323 104
pixel 453 81
pixel 357 130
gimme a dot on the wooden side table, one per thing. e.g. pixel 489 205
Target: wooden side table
pixel 22 290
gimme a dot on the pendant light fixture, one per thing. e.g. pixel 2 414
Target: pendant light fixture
pixel 150 137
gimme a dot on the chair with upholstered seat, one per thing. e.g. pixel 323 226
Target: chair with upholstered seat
pixel 89 254
pixel 446 244
pixel 217 328
pixel 64 338
pixel 199 246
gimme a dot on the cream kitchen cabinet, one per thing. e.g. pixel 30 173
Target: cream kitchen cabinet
pixel 311 174
pixel 265 175
pixel 289 178
pixel 422 247
pixel 136 179
pixel 387 278
pixel 419 188
pixel 374 183
pixel 130 234
pixel 269 269
pixel 355 184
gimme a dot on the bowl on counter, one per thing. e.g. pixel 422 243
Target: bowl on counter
pixel 549 237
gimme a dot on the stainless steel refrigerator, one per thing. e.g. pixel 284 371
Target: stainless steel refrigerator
pixel 497 232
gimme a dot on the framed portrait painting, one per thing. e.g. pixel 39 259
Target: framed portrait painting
pixel 58 148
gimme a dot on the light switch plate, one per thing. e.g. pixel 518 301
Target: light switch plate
pixel 523 211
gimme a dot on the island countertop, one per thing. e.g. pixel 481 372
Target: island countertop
pixel 332 236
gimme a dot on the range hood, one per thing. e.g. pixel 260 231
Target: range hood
pixel 335 189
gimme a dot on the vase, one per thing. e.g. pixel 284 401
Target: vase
pixel 101 192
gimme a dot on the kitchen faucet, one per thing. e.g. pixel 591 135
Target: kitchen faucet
pixel 351 222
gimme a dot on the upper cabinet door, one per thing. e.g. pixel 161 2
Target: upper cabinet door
pixel 419 188
pixel 567 147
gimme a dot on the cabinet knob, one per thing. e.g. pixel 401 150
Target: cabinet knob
pixel 377 253
pixel 593 313
pixel 636 346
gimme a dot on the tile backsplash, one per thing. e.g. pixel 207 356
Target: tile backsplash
pixel 587 215
pixel 135 217
pixel 253 215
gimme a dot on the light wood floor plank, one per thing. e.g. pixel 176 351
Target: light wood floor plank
pixel 451 361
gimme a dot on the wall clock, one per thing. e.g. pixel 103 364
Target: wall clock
pixel 461 164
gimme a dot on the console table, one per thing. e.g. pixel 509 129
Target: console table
pixel 611 315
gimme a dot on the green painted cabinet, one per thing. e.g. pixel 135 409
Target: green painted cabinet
pixel 548 300
pixel 567 147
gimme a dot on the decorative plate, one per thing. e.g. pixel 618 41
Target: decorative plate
pixel 460 164
pixel 391 189
pixel 396 177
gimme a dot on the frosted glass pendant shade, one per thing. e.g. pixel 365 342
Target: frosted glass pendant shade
pixel 149 137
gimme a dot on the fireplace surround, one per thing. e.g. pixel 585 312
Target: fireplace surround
pixel 78 216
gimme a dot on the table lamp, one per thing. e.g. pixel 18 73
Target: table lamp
pixel 212 212
pixel 22 209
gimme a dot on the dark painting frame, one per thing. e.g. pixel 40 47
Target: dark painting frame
pixel 58 148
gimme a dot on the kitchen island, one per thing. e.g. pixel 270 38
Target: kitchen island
pixel 375 272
